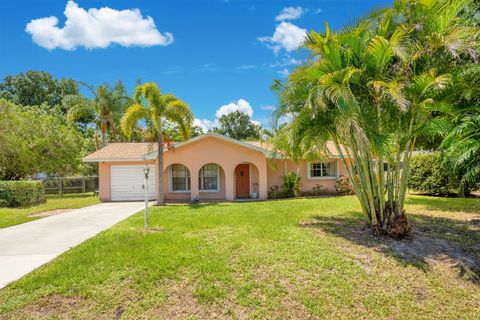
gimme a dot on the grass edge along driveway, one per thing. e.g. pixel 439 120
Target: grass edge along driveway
pixel 13 216
pixel 305 258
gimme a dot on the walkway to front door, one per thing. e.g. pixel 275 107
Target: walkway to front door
pixel 242 180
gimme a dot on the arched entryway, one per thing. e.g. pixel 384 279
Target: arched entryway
pixel 177 182
pixel 246 181
pixel 211 182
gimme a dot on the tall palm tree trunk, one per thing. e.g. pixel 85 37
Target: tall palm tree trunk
pixel 114 130
pixel 160 191
pixel 104 134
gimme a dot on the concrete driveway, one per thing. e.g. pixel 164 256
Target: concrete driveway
pixel 25 247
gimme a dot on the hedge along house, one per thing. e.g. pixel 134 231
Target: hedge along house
pixel 207 167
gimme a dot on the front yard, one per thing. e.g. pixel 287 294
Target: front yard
pixel 304 258
pixel 13 216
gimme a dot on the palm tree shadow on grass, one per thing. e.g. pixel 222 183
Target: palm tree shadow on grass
pixel 432 240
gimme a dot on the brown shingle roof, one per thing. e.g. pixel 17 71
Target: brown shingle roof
pixel 122 151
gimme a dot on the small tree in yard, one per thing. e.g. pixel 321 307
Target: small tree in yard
pixel 156 108
pixel 373 88
pixel 286 152
pixel 343 186
pixel 291 184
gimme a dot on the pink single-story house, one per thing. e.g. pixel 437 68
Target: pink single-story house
pixel 207 167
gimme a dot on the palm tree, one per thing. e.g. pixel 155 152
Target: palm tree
pixel 156 108
pixel 104 110
pixel 373 88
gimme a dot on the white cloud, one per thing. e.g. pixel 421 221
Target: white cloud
pixel 284 73
pixel 287 118
pixel 285 61
pixel 317 11
pixel 268 108
pixel 290 13
pixel 97 28
pixel 286 36
pixel 242 106
pixel 204 124
pixel 246 66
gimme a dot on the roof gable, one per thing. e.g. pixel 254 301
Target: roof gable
pixel 218 136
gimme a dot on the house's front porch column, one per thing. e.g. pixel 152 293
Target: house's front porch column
pixel 194 188
pixel 229 183
pixel 262 183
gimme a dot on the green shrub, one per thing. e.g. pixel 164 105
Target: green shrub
pixel 21 193
pixel 343 186
pixel 275 193
pixel 429 176
pixel 291 185
pixel 317 190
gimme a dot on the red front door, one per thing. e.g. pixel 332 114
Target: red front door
pixel 242 180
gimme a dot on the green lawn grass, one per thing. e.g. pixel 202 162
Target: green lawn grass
pixel 297 259
pixel 13 216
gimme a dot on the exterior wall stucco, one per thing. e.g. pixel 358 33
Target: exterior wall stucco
pixel 183 196
pixel 276 168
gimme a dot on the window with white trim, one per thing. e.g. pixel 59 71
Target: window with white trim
pixel 209 178
pixel 322 170
pixel 180 178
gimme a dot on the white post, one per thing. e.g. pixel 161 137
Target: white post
pixel 145 171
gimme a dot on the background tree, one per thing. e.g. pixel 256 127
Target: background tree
pixel 90 144
pixel 32 142
pixel 238 125
pixel 197 131
pixel 462 153
pixel 429 176
pixel 461 129
pixel 35 88
pixel 375 87
pixel 156 108
pixel 105 110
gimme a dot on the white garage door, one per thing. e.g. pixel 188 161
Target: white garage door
pixel 127 182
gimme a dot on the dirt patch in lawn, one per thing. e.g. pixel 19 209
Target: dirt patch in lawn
pixel 182 304
pixel 51 306
pixel 50 213
pixel 428 247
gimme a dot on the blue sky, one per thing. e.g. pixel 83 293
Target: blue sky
pixel 210 53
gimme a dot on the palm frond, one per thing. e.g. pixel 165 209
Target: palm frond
pixel 180 113
pixel 132 116
pixel 79 112
pixel 381 53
